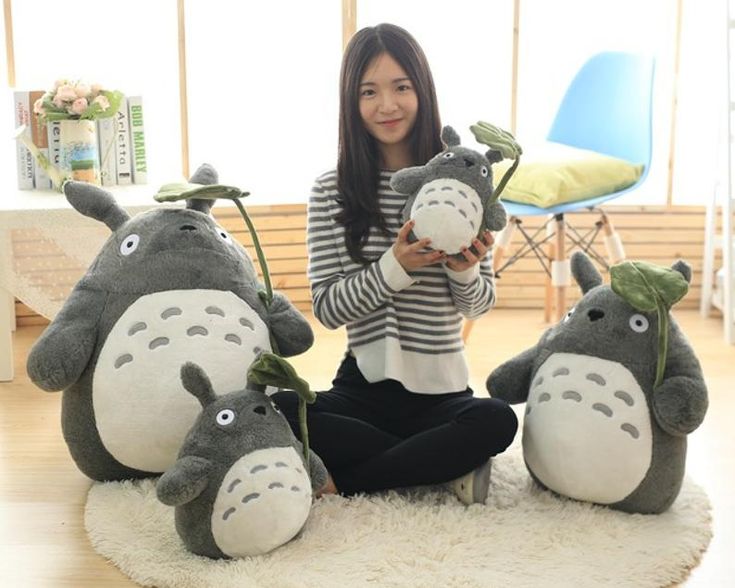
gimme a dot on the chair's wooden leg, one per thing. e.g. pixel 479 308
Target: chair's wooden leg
pixel 613 244
pixel 549 290
pixel 560 268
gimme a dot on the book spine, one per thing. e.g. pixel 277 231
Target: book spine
pixel 106 138
pixel 39 136
pixel 122 144
pixel 53 132
pixel 25 166
pixel 137 139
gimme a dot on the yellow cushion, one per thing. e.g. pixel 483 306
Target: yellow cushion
pixel 556 174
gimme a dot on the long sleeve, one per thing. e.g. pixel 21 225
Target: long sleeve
pixel 473 290
pixel 342 296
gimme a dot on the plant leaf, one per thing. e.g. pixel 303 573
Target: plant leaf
pixel 640 284
pixel 272 370
pixel 183 191
pixel 496 138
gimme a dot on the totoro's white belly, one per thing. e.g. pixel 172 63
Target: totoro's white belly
pixel 449 212
pixel 141 409
pixel 587 430
pixel 263 502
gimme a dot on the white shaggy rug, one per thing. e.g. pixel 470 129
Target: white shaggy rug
pixel 523 536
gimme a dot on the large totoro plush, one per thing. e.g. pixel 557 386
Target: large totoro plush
pixel 598 425
pixel 240 485
pixel 451 196
pixel 169 285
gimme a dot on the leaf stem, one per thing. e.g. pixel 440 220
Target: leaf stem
pixel 259 252
pixel 506 177
pixel 663 340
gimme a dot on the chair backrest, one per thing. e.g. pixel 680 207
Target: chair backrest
pixel 608 107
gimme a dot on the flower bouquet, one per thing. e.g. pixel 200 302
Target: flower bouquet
pixel 76 106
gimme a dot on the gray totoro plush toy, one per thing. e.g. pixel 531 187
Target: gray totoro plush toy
pixel 451 196
pixel 169 285
pixel 610 396
pixel 240 485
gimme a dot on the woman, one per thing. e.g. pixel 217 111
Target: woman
pixel 400 412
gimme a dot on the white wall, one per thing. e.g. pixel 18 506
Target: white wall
pixel 262 77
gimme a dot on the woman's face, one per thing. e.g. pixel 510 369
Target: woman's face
pixel 388 101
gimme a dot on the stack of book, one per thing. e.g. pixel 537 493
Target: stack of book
pixel 120 143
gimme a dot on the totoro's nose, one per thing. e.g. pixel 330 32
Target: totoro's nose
pixel 187 228
pixel 259 409
pixel 468 162
pixel 595 314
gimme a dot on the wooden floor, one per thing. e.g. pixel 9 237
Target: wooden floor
pixel 42 494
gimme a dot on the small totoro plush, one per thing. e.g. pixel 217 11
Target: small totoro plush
pixel 240 486
pixel 168 286
pixel 611 392
pixel 451 196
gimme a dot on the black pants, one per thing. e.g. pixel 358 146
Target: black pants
pixel 379 436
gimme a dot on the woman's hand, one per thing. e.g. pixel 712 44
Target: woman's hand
pixel 470 258
pixel 409 255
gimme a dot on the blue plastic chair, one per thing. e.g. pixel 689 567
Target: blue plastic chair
pixel 608 109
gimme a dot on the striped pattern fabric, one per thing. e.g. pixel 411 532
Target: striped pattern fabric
pixel 398 323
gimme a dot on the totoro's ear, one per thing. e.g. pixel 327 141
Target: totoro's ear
pixel 493 155
pixel 450 137
pixel 205 175
pixel 95 203
pixel 197 383
pixel 585 274
pixel 408 180
pixel 684 269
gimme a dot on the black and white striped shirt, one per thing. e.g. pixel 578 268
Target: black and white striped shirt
pixel 401 325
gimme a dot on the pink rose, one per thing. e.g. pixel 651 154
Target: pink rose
pixel 82 90
pixel 38 107
pixel 59 83
pixel 96 89
pixel 79 106
pixel 58 102
pixel 66 93
pixel 102 101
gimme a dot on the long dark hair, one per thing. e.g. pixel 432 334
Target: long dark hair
pixel 358 162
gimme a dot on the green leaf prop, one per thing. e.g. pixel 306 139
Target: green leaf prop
pixel 500 140
pixel 647 287
pixel 272 370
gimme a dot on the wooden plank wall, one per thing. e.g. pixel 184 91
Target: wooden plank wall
pixel 657 234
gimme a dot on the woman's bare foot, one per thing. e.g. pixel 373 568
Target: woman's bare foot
pixel 328 488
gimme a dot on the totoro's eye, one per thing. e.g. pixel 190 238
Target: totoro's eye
pixel 569 314
pixel 225 417
pixel 483 171
pixel 448 155
pixel 129 244
pixel 224 234
pixel 638 323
